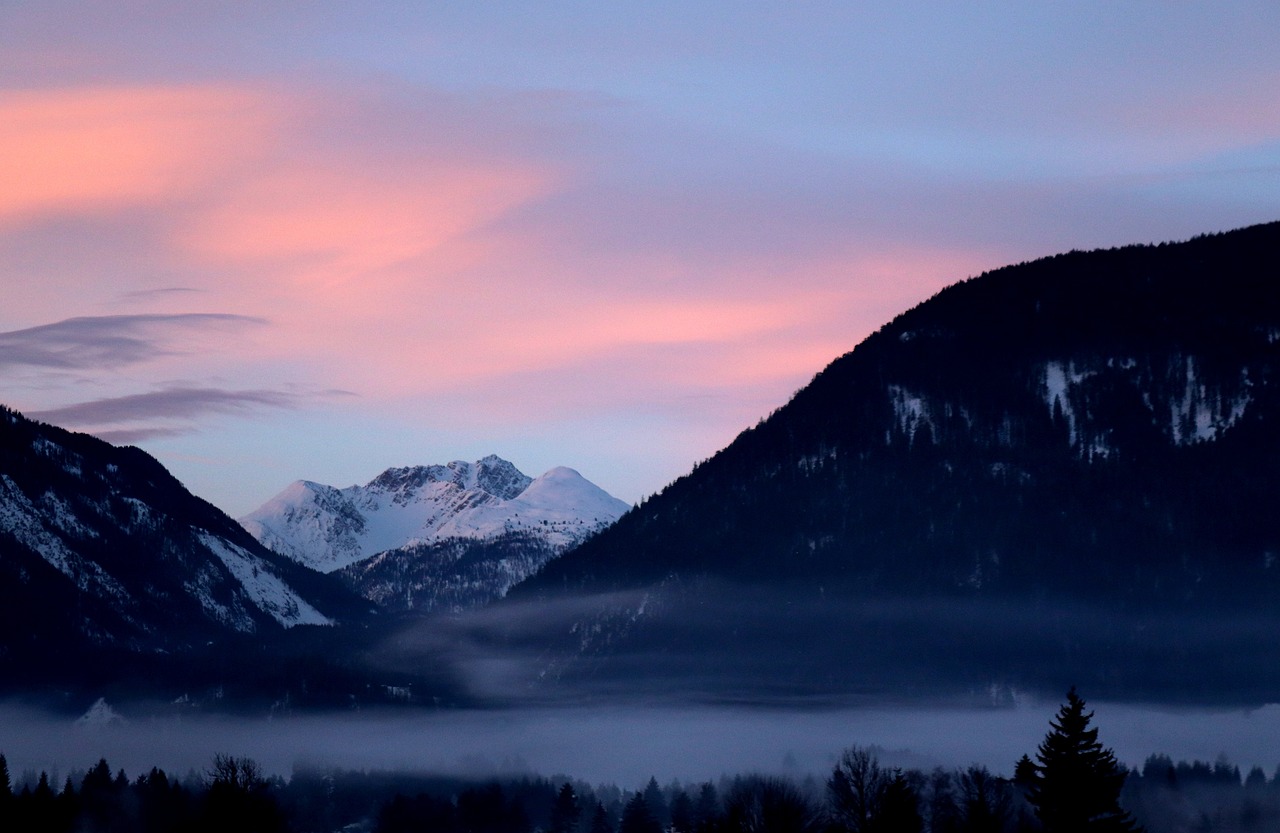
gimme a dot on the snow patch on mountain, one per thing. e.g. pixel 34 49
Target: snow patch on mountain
pixel 265 589
pixel 233 614
pixel 60 514
pixel 21 519
pixel 1058 381
pixel 1188 404
pixel 1203 410
pixel 100 715
pixel 328 528
pixel 910 411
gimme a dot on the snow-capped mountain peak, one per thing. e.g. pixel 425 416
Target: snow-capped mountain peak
pixel 328 528
pixel 491 476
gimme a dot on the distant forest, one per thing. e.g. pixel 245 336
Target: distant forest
pixel 1070 784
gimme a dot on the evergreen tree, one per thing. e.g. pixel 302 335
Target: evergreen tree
pixel 43 809
pixel 1024 773
pixel 600 820
pixel 707 809
pixel 1075 785
pixel 6 785
pixel 100 799
pixel 66 809
pixel 682 813
pixel 565 811
pixel 488 810
pixel 657 802
pixel 636 817
pixel 899 810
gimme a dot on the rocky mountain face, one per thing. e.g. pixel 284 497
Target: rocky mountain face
pixel 1061 471
pixel 453 574
pixel 104 553
pixel 442 536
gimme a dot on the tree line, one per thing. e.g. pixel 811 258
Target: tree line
pixel 1073 784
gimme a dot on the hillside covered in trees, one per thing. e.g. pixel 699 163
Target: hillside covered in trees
pixel 1060 470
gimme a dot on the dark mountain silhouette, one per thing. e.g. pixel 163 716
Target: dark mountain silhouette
pixel 1060 471
pixel 113 577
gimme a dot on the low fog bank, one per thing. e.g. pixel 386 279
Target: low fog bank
pixel 624 746
pixel 714 642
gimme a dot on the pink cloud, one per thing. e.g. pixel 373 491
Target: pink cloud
pixel 95 148
pixel 769 328
pixel 324 208
pixel 321 225
pixel 444 251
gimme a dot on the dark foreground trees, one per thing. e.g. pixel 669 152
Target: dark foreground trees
pixel 1073 786
pixel 865 798
pixel 758 804
pixel 233 796
pixel 240 798
pixel 1075 783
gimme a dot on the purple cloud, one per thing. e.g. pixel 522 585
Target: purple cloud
pixel 173 403
pixel 131 436
pixel 152 294
pixel 103 341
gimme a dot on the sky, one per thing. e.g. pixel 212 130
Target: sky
pixel 279 241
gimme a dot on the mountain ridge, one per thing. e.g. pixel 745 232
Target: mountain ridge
pixel 329 528
pixel 922 401
pixel 107 560
pixel 435 536
pixel 1088 431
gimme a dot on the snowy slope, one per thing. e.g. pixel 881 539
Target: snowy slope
pixel 327 528
pixel 129 558
pixel 264 588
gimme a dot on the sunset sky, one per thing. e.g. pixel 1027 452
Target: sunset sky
pixel 272 241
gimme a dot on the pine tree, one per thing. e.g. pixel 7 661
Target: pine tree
pixel 636 817
pixel 1075 785
pixel 682 813
pixel 657 802
pixel 600 820
pixel 707 810
pixel 899 808
pixel 565 811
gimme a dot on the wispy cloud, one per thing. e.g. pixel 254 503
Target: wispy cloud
pixel 129 436
pixel 104 341
pixel 173 403
pixel 164 292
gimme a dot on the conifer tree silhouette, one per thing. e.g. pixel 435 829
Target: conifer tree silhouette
pixel 1075 784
